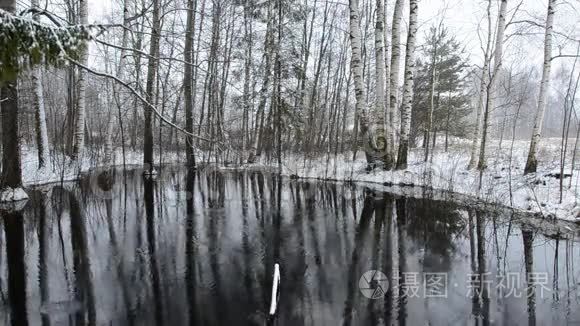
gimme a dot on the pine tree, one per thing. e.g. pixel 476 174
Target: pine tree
pixel 440 87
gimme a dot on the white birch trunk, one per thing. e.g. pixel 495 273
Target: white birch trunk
pixel 387 46
pixel 39 112
pixel 532 162
pixel 79 133
pixel 357 72
pixel 408 87
pixel 395 72
pixel 493 82
pixel 382 130
pixel 40 117
pixel 482 87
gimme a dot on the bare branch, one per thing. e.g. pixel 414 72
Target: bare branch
pixel 151 106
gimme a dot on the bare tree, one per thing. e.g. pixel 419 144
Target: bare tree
pixel 260 115
pixel 482 87
pixel 357 72
pixel 248 7
pixel 408 87
pixel 79 133
pixel 394 73
pixel 39 112
pixel 382 130
pixel 120 75
pixel 532 162
pixel 187 82
pixel 497 63
pixel 149 90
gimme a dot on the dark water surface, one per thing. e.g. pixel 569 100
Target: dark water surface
pixel 199 249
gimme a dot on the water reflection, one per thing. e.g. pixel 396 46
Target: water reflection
pixel 198 248
pixel 15 256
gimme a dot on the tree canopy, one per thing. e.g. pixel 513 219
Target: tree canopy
pixel 25 42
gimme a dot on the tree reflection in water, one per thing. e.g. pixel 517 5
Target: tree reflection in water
pixel 198 248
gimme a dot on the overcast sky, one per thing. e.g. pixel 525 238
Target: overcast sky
pixel 463 18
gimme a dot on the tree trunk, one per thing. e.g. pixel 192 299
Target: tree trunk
pixel 255 149
pixel 447 123
pixel 151 72
pixel 187 83
pixel 492 83
pixel 11 171
pixel 387 46
pixel 383 131
pixel 408 87
pixel 247 76
pixel 39 112
pixel 532 162
pixel 79 133
pixel 120 75
pixel 482 88
pixel 395 73
pixel 357 72
pixel 431 95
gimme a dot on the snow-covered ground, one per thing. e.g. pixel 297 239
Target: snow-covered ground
pixel 62 169
pixel 537 193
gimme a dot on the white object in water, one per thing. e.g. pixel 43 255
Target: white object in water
pixel 275 285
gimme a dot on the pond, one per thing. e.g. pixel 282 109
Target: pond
pixel 200 248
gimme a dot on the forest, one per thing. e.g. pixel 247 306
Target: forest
pixel 474 97
pixel 289 162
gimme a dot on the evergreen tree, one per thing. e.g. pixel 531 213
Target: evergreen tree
pixel 441 71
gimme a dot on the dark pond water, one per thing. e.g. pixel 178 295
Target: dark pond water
pixel 200 249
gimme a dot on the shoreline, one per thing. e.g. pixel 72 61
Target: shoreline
pixel 548 223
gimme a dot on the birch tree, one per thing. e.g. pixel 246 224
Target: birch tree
pixel 394 73
pixel 79 132
pixel 482 87
pixel 381 129
pixel 39 112
pixel 532 162
pixel 357 72
pixel 497 62
pixel 408 87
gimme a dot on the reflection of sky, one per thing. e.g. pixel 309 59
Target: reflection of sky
pixel 234 241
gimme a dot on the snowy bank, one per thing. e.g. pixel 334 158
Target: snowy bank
pixel 61 168
pixel 502 183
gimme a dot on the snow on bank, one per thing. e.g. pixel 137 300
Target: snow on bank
pixel 12 195
pixel 502 182
pixel 63 169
